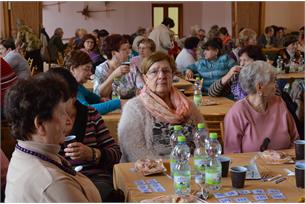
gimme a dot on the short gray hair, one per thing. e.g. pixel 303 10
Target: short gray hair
pixel 257 72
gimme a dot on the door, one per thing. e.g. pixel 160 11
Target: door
pixel 173 11
pixel 29 12
pixel 247 15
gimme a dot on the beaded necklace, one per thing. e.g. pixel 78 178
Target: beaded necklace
pixel 66 169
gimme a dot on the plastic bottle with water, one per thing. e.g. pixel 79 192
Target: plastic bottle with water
pixel 279 65
pixel 213 166
pixel 182 169
pixel 197 92
pixel 115 89
pixel 200 156
pixel 174 136
pixel 302 64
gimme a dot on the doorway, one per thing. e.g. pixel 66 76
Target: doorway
pixel 247 15
pixel 173 11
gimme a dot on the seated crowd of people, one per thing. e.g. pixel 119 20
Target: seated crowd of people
pixel 135 73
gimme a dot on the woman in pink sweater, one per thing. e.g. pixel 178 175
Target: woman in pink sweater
pixel 260 115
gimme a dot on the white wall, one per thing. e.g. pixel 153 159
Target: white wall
pixel 217 13
pixel 129 15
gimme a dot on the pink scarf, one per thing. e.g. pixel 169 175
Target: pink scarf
pixel 160 110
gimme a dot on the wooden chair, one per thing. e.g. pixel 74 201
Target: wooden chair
pixel 7 141
pixel 216 124
pixel 30 62
pixel 33 70
pixel 60 59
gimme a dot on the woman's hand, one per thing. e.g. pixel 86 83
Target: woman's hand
pixel 79 151
pixel 234 70
pixel 120 71
pixel 189 74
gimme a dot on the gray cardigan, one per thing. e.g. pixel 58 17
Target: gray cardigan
pixel 135 131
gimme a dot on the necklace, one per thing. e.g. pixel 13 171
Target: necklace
pixel 66 169
pixel 256 108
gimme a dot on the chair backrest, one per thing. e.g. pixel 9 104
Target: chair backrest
pixel 30 62
pixel 7 141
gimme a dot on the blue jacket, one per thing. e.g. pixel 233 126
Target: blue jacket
pixel 213 70
pixel 88 98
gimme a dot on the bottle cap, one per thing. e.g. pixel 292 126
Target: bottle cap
pixel 213 135
pixel 200 125
pixel 181 138
pixel 177 127
pixel 197 78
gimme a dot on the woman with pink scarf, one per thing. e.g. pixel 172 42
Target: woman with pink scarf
pixel 146 123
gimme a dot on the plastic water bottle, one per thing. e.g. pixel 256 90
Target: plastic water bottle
pixel 213 167
pixel 115 88
pixel 197 92
pixel 301 65
pixel 200 156
pixel 174 136
pixel 293 64
pixel 182 170
pixel 279 64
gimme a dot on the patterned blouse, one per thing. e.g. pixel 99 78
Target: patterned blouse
pixel 127 85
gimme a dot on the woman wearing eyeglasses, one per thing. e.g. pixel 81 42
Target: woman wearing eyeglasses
pixel 89 46
pixel 158 107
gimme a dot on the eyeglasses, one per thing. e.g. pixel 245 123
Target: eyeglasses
pixel 89 41
pixel 156 72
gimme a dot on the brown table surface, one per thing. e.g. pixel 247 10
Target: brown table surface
pixel 219 110
pixel 181 84
pixel 293 75
pixel 124 177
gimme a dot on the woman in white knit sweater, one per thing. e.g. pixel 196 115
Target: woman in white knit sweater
pixel 145 126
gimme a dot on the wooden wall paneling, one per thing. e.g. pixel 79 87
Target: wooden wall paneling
pixel 29 12
pixel 246 14
pixel 5 20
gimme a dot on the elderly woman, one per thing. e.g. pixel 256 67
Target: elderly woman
pixel 187 56
pixel 290 52
pixel 95 149
pixel 146 47
pixel 89 46
pixel 227 41
pixel 229 85
pixel 79 64
pixel 213 66
pixel 260 115
pixel 154 111
pixel 246 37
pixel 113 73
pixel 36 109
pixel 14 58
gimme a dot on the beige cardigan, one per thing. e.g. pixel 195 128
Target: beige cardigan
pixel 30 179
pixel 135 131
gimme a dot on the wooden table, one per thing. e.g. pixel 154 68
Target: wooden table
pixel 213 112
pixel 124 177
pixel 292 75
pixel 181 84
pixel 220 109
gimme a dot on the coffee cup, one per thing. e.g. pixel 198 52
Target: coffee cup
pixel 299 174
pixel 238 176
pixel 299 149
pixel 70 139
pixel 225 163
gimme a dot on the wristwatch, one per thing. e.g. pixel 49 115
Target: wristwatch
pixel 93 154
